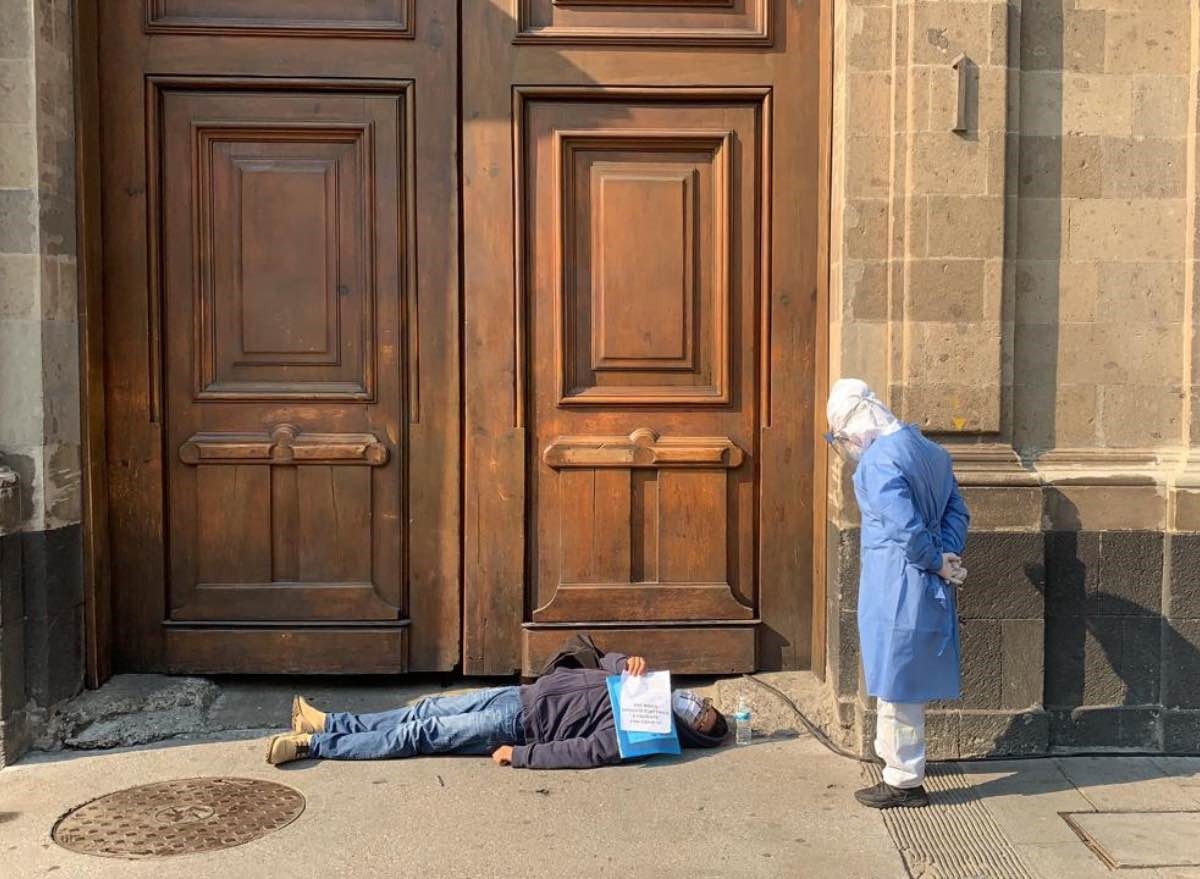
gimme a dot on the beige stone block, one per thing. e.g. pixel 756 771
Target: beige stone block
pixel 865 234
pixel 869 38
pixel 862 353
pixel 1097 104
pixel 910 232
pixel 967 353
pixel 944 28
pixel 1041 228
pixel 992 104
pixel 1148 41
pixel 999 290
pixel 1105 507
pixel 1074 418
pixel 1004 153
pixel 1140 416
pixel 1119 354
pixel 1134 230
pixel 1083 40
pixel 1053 292
pixel 1141 168
pixel 945 290
pixel 1160 106
pixel 16 29
pixel 19 285
pixel 947 163
pixel 1070 166
pixel 918 107
pixel 1140 292
pixel 18 156
pixel 952 407
pixel 865 287
pixel 21 387
pixel 1041 103
pixel 870 96
pixel 60 293
pixel 966 226
pixel 1172 7
pixel 868 167
pixel 16 91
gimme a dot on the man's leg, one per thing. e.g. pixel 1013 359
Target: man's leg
pixel 434 706
pixel 477 732
pixel 900 741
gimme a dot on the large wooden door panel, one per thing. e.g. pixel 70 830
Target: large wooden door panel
pixel 283 219
pixel 640 239
pixel 282 385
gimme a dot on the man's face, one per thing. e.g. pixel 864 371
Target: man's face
pixel 708 721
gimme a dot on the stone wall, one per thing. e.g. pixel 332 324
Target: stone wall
pixel 1049 343
pixel 41 598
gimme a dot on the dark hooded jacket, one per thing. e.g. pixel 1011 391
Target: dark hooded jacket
pixel 568 716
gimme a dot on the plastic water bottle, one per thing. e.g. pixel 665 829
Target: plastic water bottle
pixel 741 719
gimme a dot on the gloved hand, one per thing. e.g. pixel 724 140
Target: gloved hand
pixel 952 570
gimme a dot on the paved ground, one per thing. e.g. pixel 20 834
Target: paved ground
pixel 781 807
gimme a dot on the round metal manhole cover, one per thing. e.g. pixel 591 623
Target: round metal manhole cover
pixel 178 817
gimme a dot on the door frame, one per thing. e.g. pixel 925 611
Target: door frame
pixel 97 586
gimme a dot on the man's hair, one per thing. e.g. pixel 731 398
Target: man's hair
pixel 721 727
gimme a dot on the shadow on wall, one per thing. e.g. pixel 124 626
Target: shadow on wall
pixel 1119 674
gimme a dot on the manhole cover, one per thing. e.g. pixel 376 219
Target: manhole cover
pixel 178 817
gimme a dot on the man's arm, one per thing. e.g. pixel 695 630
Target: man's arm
pixel 955 522
pixel 581 753
pixel 613 663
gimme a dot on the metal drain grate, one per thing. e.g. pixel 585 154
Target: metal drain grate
pixel 178 817
pixel 955 837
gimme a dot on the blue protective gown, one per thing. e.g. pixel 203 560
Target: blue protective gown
pixel 912 512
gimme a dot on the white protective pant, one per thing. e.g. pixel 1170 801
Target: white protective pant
pixel 900 741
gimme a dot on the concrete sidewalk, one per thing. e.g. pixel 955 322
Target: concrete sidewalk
pixel 780 807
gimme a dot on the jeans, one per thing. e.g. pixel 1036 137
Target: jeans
pixel 900 741
pixel 474 723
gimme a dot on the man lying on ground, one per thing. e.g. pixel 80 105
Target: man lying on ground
pixel 562 721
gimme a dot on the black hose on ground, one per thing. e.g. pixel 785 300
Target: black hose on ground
pixel 833 746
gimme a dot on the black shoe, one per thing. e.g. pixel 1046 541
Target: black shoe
pixel 884 796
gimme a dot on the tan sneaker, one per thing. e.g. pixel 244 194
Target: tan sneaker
pixel 305 718
pixel 288 747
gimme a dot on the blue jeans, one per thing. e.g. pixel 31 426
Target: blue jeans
pixel 474 723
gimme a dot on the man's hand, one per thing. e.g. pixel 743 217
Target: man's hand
pixel 502 756
pixel 952 570
pixel 636 666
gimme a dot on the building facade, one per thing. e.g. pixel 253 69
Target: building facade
pixel 987 210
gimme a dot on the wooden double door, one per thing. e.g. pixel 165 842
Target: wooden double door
pixel 435 331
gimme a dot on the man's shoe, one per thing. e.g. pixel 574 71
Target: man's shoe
pixel 884 796
pixel 305 718
pixel 288 747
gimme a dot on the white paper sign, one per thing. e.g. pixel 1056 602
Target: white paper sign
pixel 645 702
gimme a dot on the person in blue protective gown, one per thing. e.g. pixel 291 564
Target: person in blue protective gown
pixel 914 530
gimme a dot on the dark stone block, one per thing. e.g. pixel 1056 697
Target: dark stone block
pixel 12 628
pixel 1131 574
pixel 942 735
pixel 981 664
pixel 1007 576
pixel 1072 571
pixel 1022 662
pixel 847 669
pixel 1065 647
pixel 1086 728
pixel 844 563
pixel 1183 577
pixel 52 594
pixel 1181 664
pixel 986 733
pixel 1140 667
pixel 1181 732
